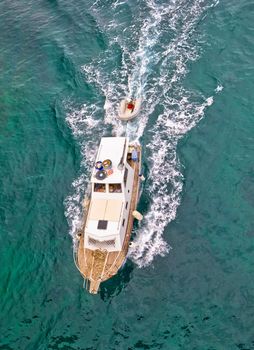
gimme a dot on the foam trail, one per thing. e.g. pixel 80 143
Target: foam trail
pixel 143 56
pixel 219 88
pixel 179 116
pixel 83 124
pixel 135 67
pixel 166 185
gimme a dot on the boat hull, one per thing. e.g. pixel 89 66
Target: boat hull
pixel 99 265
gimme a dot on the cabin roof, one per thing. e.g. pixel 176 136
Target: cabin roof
pixel 102 209
pixel 112 148
pixel 104 217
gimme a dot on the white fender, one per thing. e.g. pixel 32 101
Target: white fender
pixel 137 215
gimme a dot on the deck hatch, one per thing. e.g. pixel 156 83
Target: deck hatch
pixel 102 225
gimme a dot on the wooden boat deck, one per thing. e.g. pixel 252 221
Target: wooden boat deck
pixel 99 265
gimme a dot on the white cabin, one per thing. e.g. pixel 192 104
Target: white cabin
pixel 108 211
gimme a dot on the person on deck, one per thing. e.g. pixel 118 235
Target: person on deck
pixel 130 106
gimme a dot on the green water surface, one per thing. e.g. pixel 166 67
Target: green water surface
pixel 199 296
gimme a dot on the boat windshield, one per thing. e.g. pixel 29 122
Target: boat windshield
pixel 99 187
pixel 115 188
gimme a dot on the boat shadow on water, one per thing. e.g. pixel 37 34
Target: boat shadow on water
pixel 117 283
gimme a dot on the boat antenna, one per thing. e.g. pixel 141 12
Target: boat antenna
pixel 121 163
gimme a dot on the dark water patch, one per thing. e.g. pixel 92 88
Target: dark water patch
pixel 116 284
pixel 5 347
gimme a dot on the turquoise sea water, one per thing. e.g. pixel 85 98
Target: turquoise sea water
pixel 188 281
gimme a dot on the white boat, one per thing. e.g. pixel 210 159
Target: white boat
pixel 109 212
pixel 129 109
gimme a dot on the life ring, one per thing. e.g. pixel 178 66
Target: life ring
pixel 98 165
pixel 107 164
pixel 101 175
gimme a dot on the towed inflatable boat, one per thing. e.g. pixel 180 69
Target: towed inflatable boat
pixel 129 109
